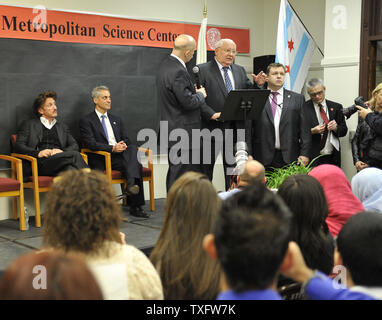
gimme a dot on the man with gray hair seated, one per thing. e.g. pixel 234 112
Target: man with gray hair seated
pixel 102 131
pixel 327 124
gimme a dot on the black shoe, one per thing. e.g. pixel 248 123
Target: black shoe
pixel 138 212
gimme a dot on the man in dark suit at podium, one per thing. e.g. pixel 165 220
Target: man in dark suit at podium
pixel 327 124
pixel 219 76
pixel 179 108
pixel 282 134
pixel 102 131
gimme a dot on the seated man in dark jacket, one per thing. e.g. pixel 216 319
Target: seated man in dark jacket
pixel 48 140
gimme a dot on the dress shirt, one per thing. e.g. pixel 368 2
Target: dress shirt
pixel 328 148
pixel 110 131
pixel 280 99
pixel 46 123
pixel 230 74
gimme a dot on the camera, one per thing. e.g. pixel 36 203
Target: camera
pixel 348 112
pixel 241 156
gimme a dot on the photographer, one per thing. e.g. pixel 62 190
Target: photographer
pixel 367 142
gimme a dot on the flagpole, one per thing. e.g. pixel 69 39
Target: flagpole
pixel 201 54
pixel 307 30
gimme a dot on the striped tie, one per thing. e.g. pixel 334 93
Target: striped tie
pixel 227 80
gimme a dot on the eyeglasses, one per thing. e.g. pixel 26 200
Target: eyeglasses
pixel 313 94
pixel 230 51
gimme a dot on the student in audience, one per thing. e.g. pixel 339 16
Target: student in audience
pixel 367 186
pixel 185 269
pixel 305 197
pixel 341 201
pixel 250 240
pixel 49 276
pixel 359 250
pixel 83 217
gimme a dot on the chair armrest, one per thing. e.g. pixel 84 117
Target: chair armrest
pixel 107 156
pixel 17 167
pixel 33 162
pixel 149 155
pixel 85 157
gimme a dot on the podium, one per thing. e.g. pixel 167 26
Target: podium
pixel 244 104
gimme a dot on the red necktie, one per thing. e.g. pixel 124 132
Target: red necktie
pixel 326 121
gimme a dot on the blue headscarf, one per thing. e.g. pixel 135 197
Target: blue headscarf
pixel 367 186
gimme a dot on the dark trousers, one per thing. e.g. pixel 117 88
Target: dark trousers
pixel 67 160
pixel 277 162
pixel 127 162
pixel 175 169
pixel 326 159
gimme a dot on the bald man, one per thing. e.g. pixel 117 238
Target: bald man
pixel 253 171
pixel 178 109
pixel 219 76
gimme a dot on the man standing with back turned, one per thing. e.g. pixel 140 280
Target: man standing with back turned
pixel 179 108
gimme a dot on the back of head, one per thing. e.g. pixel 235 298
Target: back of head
pixel 359 243
pixel 305 197
pixel 81 212
pixel 184 42
pixel 252 233
pixel 49 275
pixel 367 186
pixel 190 212
pixel 253 172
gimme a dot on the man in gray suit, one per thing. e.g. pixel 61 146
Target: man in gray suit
pixel 48 140
pixel 178 111
pixel 218 77
pixel 282 134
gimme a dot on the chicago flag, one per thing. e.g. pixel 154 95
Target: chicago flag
pixel 294 47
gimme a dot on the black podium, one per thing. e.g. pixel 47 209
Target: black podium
pixel 244 104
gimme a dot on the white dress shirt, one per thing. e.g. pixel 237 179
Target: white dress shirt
pixel 110 131
pixel 46 123
pixel 328 148
pixel 280 99
pixel 230 74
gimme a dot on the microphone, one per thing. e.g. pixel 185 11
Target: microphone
pixel 195 70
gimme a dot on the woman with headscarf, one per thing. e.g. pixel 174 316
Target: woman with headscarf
pixel 367 186
pixel 342 202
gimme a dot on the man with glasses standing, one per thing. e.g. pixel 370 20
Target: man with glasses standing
pixel 219 76
pixel 327 124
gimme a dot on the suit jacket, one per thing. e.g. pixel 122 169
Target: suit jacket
pixel 93 136
pixel 178 102
pixel 295 136
pixel 211 79
pixel 29 135
pixel 335 113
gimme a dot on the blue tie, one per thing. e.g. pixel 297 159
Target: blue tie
pixel 227 80
pixel 104 127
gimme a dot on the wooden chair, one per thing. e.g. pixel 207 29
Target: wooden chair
pixel 115 177
pixel 36 182
pixel 13 187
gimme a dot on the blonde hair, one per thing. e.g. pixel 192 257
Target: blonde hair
pixel 372 101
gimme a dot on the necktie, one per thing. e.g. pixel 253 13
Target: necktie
pixel 274 103
pixel 326 121
pixel 104 126
pixel 227 80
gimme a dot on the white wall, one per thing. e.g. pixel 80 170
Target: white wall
pixel 261 17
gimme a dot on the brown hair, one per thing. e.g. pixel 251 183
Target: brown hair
pixel 184 267
pixel 66 278
pixel 275 65
pixel 40 100
pixel 81 212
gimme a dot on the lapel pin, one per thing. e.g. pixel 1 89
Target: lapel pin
pixel 114 122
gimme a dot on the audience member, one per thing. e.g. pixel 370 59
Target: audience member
pixel 49 275
pixel 359 250
pixel 250 240
pixel 83 217
pixel 48 140
pixel 185 269
pixel 253 171
pixel 305 197
pixel 342 203
pixel 367 186
pixel 367 141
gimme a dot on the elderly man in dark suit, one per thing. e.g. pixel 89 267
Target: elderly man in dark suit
pixel 48 140
pixel 327 124
pixel 178 110
pixel 102 131
pixel 219 76
pixel 282 134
